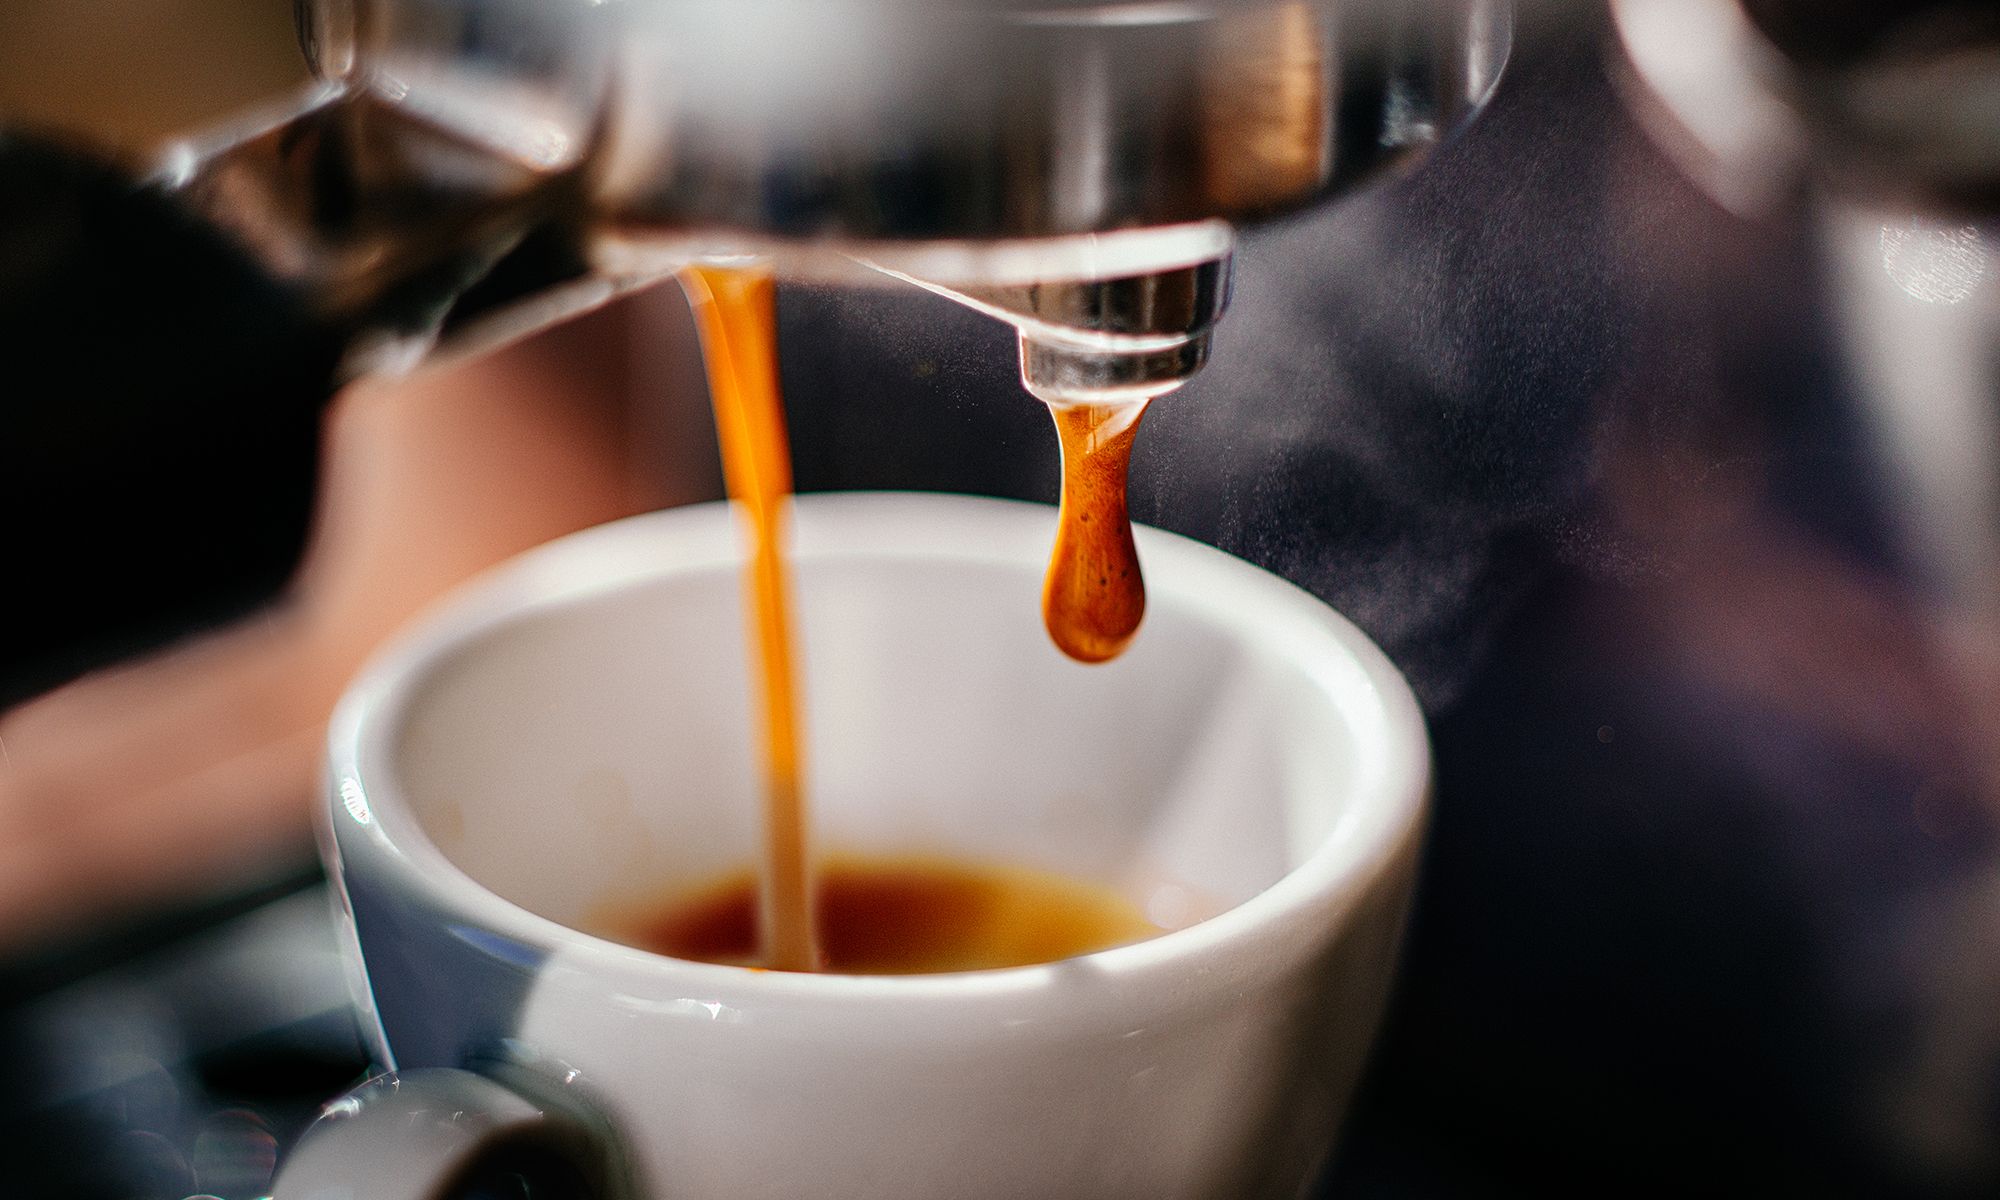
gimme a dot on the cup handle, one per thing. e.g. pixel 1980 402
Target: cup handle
pixel 440 1134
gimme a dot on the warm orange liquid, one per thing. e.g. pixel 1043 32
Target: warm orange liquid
pixel 1094 597
pixel 736 314
pixel 1092 602
pixel 902 916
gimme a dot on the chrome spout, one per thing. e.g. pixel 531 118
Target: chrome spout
pixel 1100 341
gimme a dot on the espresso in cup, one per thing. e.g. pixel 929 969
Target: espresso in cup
pixel 888 918
pixel 896 915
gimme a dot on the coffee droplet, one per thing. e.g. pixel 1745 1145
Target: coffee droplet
pixel 1094 597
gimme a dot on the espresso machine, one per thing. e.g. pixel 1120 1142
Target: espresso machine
pixel 470 168
pixel 466 171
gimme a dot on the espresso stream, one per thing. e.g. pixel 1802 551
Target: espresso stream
pixel 927 916
pixel 736 314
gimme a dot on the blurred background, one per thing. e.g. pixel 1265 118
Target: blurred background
pixel 1673 495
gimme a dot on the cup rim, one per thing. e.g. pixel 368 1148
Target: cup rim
pixel 1385 808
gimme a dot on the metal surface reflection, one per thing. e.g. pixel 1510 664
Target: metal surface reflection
pixel 520 162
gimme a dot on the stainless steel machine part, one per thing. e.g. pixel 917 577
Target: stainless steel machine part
pixel 472 168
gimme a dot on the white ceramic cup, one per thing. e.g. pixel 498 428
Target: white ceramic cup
pixel 572 731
